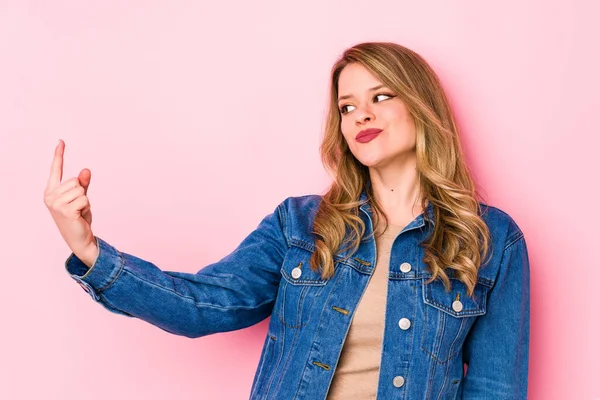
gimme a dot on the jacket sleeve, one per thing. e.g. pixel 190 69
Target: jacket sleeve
pixel 496 349
pixel 236 292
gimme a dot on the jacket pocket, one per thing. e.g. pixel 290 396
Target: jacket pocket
pixel 448 316
pixel 299 289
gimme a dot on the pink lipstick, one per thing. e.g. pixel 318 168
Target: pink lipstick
pixel 367 135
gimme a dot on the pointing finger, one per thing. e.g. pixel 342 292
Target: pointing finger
pixel 57 166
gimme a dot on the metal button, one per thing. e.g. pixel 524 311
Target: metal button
pixel 404 323
pixel 296 273
pixel 398 381
pixel 457 306
pixel 405 267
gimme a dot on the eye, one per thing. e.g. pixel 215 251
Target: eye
pixel 343 109
pixel 383 94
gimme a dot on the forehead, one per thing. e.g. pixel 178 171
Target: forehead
pixel 355 78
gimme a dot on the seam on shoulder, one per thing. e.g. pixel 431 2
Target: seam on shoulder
pixel 283 221
pixel 517 236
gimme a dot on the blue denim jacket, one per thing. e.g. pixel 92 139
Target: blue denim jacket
pixel 269 274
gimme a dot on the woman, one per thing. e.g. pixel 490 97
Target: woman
pixel 386 286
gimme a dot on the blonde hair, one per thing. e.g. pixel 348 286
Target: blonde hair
pixel 460 238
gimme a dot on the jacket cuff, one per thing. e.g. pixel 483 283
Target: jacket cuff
pixel 101 274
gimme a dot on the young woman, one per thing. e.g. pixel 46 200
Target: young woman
pixel 386 286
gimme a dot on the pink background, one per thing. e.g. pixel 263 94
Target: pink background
pixel 197 120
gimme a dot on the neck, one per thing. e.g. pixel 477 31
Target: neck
pixel 398 192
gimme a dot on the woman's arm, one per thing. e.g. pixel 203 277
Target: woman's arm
pixel 233 293
pixel 497 347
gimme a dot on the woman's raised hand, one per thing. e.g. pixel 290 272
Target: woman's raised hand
pixel 70 208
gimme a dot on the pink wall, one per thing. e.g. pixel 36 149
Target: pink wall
pixel 182 110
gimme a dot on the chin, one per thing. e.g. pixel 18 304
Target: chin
pixel 368 162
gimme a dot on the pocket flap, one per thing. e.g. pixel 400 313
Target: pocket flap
pixel 296 268
pixel 456 302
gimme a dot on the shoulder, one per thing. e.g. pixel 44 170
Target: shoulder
pixel 305 205
pixel 299 213
pixel 303 201
pixel 504 230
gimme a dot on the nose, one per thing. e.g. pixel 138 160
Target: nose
pixel 364 115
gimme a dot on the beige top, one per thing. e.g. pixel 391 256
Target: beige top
pixel 357 373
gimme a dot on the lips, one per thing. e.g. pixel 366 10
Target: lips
pixel 367 135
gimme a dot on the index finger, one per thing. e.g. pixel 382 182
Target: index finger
pixel 56 168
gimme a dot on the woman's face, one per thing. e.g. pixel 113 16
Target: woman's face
pixel 372 105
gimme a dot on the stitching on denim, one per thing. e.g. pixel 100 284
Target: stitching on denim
pixel 283 223
pixel 432 366
pixel 518 237
pixel 121 268
pixel 363 262
pixel 446 373
pixel 439 334
pixel 298 312
pixel 442 307
pixel 335 283
pixel 191 299
pixel 275 367
pixel 411 339
pixel 435 357
pixel 287 361
pixel 291 280
pixel 302 244
pixel 294 242
pixel 268 351
pixel 480 310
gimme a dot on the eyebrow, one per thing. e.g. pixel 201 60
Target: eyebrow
pixel 349 95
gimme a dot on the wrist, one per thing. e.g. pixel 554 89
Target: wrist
pixel 89 255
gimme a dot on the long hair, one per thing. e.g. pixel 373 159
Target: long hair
pixel 460 238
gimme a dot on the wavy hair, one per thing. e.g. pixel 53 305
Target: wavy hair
pixel 460 238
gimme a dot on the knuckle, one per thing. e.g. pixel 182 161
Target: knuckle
pixel 49 203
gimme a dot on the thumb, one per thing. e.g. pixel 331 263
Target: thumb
pixel 84 178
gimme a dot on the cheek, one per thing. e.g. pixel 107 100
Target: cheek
pixel 395 114
pixel 401 121
pixel 345 128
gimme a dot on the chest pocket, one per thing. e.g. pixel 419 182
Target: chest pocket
pixel 448 316
pixel 299 289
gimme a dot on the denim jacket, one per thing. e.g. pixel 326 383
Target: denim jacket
pixel 269 275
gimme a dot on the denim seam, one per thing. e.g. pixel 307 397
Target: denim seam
pixel 306 364
pixel 191 299
pixel 283 223
pixel 268 348
pixel 412 340
pixel 298 311
pixel 440 336
pixel 121 268
pixel 287 361
pixel 295 242
pixel 281 353
pixel 433 365
pixel 518 236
